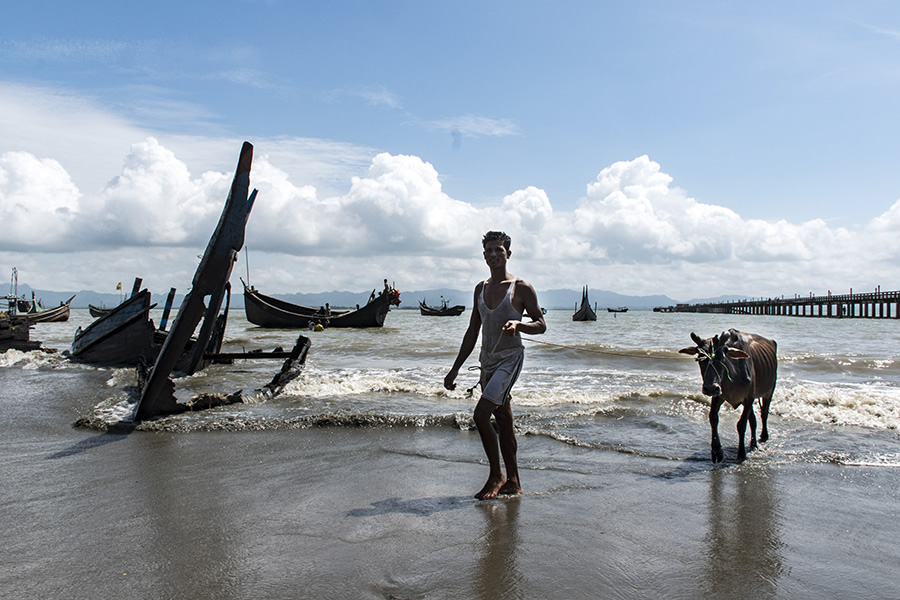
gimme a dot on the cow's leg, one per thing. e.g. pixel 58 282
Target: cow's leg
pixel 746 415
pixel 764 418
pixel 751 418
pixel 716 446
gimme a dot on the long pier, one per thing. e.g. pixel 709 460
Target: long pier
pixel 868 305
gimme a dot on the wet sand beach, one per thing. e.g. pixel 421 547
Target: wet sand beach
pixel 387 512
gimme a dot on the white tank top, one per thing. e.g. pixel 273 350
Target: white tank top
pixel 492 321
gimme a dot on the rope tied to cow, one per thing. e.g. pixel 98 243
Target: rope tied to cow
pixel 470 390
pixel 712 362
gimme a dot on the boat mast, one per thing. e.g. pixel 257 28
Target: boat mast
pixel 247 261
pixel 13 297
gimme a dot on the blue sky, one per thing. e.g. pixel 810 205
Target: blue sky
pixel 644 147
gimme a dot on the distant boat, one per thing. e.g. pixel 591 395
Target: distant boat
pixel 99 311
pixel 445 310
pixel 37 314
pixel 617 310
pixel 267 311
pixel 584 312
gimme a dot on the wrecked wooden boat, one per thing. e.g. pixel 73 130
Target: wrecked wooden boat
pixel 120 337
pixel 201 306
pixel 584 312
pixel 124 335
pixel 266 311
pixel 445 310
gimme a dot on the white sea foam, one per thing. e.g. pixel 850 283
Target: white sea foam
pixel 34 359
pixel 352 383
pixel 112 410
pixel 865 405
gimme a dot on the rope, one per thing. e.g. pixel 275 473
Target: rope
pixel 478 368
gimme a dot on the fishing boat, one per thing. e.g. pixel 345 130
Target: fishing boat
pixel 621 309
pixel 15 330
pixel 267 311
pixel 445 310
pixel 584 312
pixel 99 311
pixel 37 314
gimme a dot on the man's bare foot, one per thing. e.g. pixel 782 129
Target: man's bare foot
pixel 491 488
pixel 510 488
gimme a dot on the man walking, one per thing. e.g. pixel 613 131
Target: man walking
pixel 500 302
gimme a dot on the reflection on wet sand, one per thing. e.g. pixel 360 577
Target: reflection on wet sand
pixel 743 543
pixel 497 572
pixel 182 517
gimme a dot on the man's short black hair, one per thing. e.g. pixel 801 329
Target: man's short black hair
pixel 494 236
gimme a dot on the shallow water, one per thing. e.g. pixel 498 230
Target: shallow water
pixel 617 383
pixel 357 481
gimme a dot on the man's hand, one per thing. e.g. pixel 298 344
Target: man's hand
pixel 509 328
pixel 450 380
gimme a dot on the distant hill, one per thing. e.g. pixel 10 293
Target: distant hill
pixel 602 299
pixel 550 299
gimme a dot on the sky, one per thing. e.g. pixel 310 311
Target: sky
pixel 691 149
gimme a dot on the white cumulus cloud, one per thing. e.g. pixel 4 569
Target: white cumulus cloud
pixel 38 202
pixel 633 231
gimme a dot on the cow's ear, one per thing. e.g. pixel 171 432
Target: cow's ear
pixel 697 339
pixel 736 353
pixel 692 350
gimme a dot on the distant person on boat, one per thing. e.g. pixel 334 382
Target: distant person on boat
pixel 501 302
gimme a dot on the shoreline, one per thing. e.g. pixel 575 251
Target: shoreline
pixel 377 511
pixel 389 513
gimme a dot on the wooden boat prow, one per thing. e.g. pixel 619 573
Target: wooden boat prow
pixel 584 312
pixel 210 281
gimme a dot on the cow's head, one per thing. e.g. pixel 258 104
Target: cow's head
pixel 713 357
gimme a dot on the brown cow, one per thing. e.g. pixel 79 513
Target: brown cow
pixel 737 368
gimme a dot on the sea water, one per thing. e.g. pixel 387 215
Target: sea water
pixel 617 383
pixel 357 480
